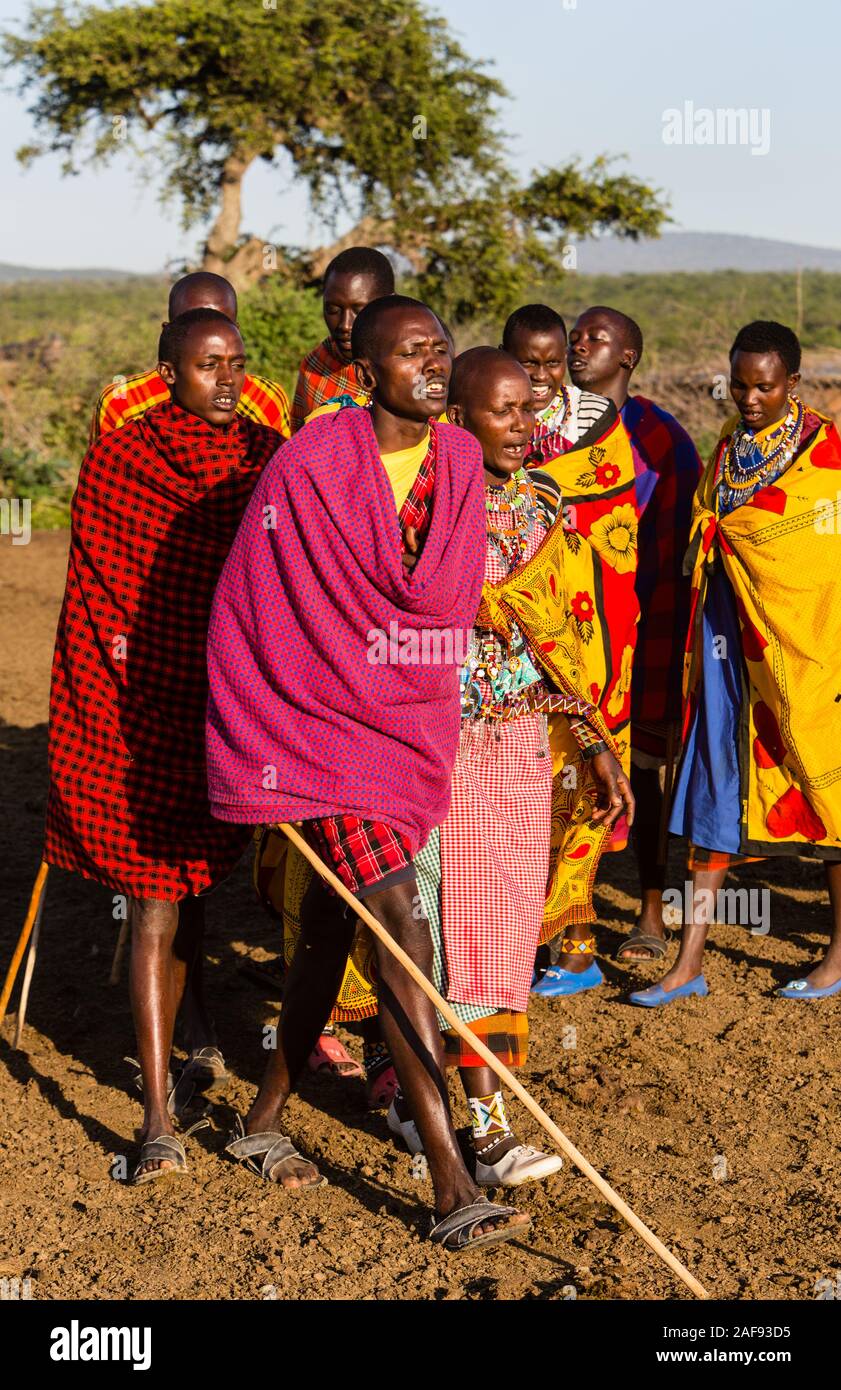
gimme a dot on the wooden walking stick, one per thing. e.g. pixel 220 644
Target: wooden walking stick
pixel 668 780
pixel 28 971
pixel 478 1047
pixel 23 939
pixel 119 952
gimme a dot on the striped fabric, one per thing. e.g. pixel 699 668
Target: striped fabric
pixel 557 432
pixel 323 376
pixel 125 398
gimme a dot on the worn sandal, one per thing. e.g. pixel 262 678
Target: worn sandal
pixel 167 1148
pixel 329 1054
pixel 274 1147
pixel 455 1231
pixel 655 945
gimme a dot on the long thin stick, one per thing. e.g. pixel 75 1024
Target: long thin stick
pixel 12 972
pixel 493 1062
pixel 668 787
pixel 29 969
pixel 119 952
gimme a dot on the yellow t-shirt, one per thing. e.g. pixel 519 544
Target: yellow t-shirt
pixel 402 468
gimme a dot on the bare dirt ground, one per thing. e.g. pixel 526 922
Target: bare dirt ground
pixel 716 1119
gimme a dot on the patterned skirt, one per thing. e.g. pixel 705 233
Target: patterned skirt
pixel 495 849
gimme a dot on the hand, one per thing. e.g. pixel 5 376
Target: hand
pixel 614 794
pixel 411 548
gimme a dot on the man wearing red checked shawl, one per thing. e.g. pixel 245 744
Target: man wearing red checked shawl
pixel 153 518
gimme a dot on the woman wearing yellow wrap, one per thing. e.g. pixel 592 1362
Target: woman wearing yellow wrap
pixel 761 769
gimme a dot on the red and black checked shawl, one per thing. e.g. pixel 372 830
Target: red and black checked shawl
pixel 155 512
pixel 323 376
pixel 125 399
pixel 667 468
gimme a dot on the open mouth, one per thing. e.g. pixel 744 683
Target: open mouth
pixel 514 451
pixel 541 392
pixel 436 389
pixel 576 363
pixel 224 402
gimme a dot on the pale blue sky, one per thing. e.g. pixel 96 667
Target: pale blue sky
pixel 585 78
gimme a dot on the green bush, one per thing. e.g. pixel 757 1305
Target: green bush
pixel 279 323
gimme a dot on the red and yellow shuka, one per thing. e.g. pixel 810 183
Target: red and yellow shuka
pixel 781 554
pixel 576 604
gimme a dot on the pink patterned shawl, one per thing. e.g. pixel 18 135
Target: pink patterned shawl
pixel 301 721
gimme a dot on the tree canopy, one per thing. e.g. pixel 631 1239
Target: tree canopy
pixel 378 109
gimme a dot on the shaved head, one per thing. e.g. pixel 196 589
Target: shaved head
pixel 476 371
pixel 203 290
pixel 491 396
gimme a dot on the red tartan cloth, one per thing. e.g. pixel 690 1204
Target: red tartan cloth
pixel 323 375
pixel 361 852
pixel 153 518
pixel 668 470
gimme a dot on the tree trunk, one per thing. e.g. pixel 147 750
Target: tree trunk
pixel 241 264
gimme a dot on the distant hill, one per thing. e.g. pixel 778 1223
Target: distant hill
pixel 672 252
pixel 11 273
pixel 699 251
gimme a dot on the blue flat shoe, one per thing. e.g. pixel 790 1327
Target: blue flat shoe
pixel 655 995
pixel 557 982
pixel 801 989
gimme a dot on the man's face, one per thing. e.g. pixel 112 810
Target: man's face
pixel 411 370
pixel 597 351
pixel 543 356
pixel 760 385
pixel 207 380
pixel 499 410
pixel 345 296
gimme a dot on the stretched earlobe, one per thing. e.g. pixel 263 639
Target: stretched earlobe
pixel 366 376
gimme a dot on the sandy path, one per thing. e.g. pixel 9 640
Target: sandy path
pixel 717 1119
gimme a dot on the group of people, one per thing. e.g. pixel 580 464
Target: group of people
pixel 458 617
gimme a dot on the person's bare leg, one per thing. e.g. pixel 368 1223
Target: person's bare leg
pixel 645 784
pixel 828 970
pixel 309 993
pixel 410 1028
pixel 163 943
pixel 705 886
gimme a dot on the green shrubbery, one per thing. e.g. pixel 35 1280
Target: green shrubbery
pixel 63 341
pixel 279 324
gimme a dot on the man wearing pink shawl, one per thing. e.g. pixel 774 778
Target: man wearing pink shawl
pixel 338 629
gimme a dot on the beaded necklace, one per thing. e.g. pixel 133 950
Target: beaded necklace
pixel 548 441
pixel 748 464
pixel 511 510
pixel 553 417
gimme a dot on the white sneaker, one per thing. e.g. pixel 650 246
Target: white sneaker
pixel 520 1164
pixel 406 1130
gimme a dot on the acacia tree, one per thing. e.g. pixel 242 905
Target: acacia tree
pixel 378 109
